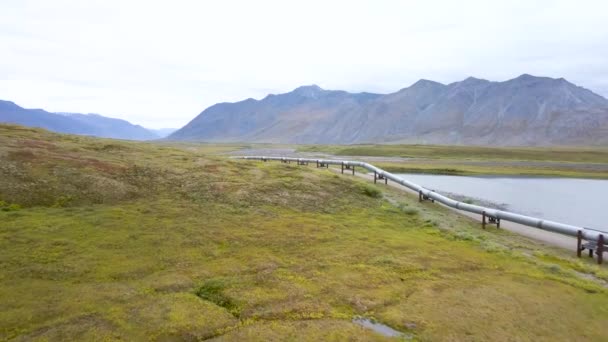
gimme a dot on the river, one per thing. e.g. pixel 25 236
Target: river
pixel 581 202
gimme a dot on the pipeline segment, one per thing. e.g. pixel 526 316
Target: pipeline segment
pixel 556 227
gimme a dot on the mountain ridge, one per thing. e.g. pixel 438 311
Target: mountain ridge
pixel 76 123
pixel 526 110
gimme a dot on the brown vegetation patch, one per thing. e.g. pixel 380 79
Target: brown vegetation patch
pixel 30 143
pixel 21 155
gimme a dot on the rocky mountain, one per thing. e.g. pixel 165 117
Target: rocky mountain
pixel 527 110
pixel 74 123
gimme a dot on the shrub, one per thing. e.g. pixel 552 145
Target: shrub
pixel 4 206
pixel 62 201
pixel 213 291
pixel 492 247
pixel 553 268
pixel 466 236
pixel 408 211
pixel 370 190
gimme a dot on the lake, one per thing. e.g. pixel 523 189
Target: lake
pixel 580 202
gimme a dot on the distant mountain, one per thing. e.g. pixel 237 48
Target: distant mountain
pixel 162 132
pixel 527 110
pixel 85 124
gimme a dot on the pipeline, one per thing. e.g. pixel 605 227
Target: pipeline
pixel 556 227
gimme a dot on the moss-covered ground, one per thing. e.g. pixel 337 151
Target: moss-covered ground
pixel 112 240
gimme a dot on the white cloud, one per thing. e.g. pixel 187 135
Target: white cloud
pixel 160 63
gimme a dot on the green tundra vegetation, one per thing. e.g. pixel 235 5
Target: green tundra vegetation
pixel 564 154
pixel 585 162
pixel 112 240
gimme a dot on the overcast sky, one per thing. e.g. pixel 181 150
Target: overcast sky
pixel 160 64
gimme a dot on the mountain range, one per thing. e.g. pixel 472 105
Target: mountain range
pixel 526 110
pixel 75 123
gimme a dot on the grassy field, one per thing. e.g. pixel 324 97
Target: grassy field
pixel 561 154
pixel 585 162
pixel 112 240
pixel 442 167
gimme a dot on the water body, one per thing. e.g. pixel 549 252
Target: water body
pixel 379 328
pixel 581 202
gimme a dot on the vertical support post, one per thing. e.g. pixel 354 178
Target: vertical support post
pixel 377 176
pixel 579 243
pixel 419 196
pixel 353 170
pixel 600 249
pixel 483 219
pixel 342 167
pixel 317 163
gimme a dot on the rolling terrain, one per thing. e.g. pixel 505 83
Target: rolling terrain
pixel 112 240
pixel 524 111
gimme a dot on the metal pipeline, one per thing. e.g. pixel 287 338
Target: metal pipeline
pixel 556 227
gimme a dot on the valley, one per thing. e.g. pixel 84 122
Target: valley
pixel 572 162
pixel 107 239
pixel 303 171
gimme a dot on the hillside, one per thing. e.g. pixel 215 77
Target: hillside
pixel 527 110
pixel 112 240
pixel 73 123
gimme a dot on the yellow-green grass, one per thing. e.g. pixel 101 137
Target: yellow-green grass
pixel 113 240
pixel 562 154
pixel 442 167
pixel 582 162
